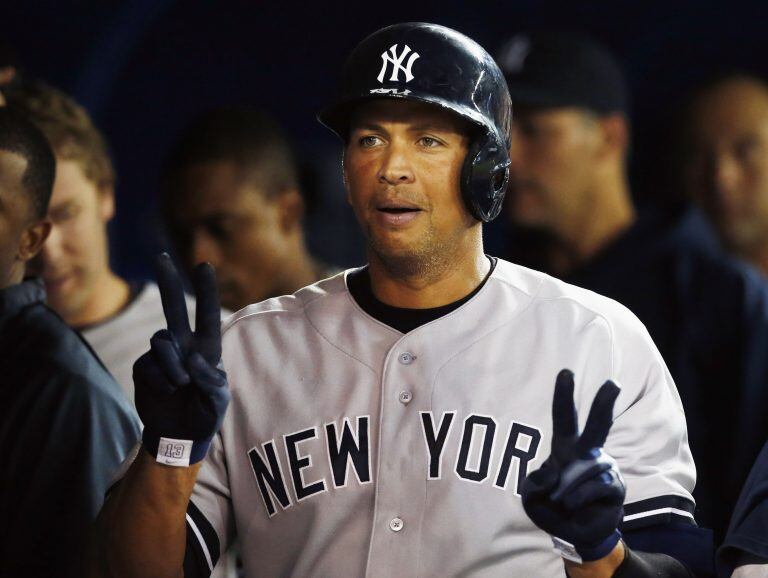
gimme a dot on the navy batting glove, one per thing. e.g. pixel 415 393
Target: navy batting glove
pixel 577 495
pixel 181 388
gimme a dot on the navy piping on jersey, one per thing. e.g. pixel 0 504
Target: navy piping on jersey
pixel 652 514
pixel 402 319
pixel 204 543
pixel 658 510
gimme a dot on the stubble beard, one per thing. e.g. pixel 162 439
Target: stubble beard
pixel 747 240
pixel 425 260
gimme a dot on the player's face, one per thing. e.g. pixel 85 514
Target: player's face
pixel 553 154
pixel 402 168
pixel 223 217
pixel 14 213
pixel 727 166
pixel 75 257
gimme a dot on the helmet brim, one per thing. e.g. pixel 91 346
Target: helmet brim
pixel 338 115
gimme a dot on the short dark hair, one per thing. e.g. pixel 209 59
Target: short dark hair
pixel 714 80
pixel 683 112
pixel 242 135
pixel 20 136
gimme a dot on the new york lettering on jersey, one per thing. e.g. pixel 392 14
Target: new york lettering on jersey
pixel 353 449
pixel 347 450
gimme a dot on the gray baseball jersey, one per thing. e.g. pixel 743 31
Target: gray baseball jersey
pixel 351 449
pixel 121 340
pixel 751 571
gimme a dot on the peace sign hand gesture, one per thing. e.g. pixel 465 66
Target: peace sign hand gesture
pixel 181 388
pixel 577 495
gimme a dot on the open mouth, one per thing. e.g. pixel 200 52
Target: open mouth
pixel 397 215
pixel 398 210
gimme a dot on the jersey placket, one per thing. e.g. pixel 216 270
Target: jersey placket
pixel 401 474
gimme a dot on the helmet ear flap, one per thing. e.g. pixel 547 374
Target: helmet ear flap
pixel 484 176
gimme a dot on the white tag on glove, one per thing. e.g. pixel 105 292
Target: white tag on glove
pixel 566 550
pixel 174 452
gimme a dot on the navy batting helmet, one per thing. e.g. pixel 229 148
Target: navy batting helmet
pixel 437 65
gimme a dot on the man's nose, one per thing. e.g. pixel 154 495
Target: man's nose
pixel 52 251
pixel 725 176
pixel 204 249
pixel 396 168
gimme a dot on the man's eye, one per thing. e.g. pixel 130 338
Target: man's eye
pixel 747 149
pixel 369 141
pixel 219 230
pixel 64 214
pixel 529 130
pixel 429 142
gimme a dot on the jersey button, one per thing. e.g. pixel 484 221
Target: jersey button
pixel 396 524
pixel 405 397
pixel 406 358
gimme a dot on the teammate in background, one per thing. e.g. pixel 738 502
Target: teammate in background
pixel 707 314
pixel 65 426
pixel 382 422
pixel 725 163
pixel 115 316
pixel 231 197
pixel 744 553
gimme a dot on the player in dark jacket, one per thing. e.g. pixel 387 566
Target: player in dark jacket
pixel 707 313
pixel 746 545
pixel 65 425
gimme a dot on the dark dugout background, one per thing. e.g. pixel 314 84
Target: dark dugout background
pixel 144 68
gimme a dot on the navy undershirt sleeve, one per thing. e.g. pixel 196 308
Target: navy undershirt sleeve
pixel 748 532
pixel 688 544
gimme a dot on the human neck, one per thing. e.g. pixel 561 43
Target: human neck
pixel 111 294
pixel 756 255
pixel 458 278
pixel 13 276
pixel 607 217
pixel 300 269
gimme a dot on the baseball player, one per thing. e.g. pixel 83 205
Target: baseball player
pixel 116 316
pixel 230 195
pixel 435 413
pixel 744 552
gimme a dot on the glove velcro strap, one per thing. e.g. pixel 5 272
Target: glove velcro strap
pixel 580 554
pixel 174 452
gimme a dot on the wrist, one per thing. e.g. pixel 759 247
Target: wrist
pixel 582 553
pixel 605 567
pixel 172 451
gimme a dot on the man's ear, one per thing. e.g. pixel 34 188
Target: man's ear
pixel 615 129
pixel 32 239
pixel 291 207
pixel 106 202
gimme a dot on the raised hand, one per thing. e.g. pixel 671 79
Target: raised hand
pixel 577 495
pixel 181 388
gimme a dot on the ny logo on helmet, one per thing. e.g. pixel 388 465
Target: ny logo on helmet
pixel 397 63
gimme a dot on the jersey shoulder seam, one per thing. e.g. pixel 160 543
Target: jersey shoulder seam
pixel 532 294
pixel 598 316
pixel 332 344
pixel 532 300
pixel 300 311
pixel 232 321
